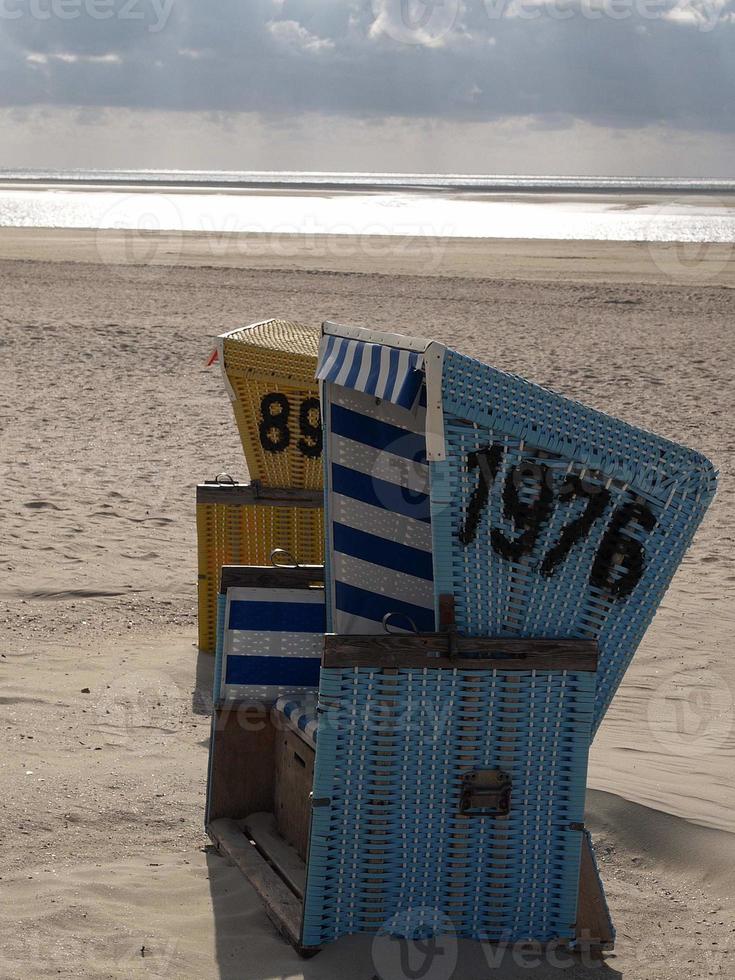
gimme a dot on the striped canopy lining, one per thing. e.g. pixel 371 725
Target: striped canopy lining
pixel 375 369
pixel 272 643
pixel 378 514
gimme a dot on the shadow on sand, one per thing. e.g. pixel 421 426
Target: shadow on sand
pixel 248 947
pixel 201 696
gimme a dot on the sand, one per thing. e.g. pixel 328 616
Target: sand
pixel 109 417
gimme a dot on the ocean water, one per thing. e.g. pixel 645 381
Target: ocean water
pixel 450 205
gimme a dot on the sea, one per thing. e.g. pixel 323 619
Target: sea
pixel 431 205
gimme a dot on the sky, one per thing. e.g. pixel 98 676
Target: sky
pixel 639 87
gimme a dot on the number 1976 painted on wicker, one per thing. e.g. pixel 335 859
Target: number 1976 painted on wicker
pixel 616 548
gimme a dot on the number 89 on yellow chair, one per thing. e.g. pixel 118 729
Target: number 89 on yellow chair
pixel 269 370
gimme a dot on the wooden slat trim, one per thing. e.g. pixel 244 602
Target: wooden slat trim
pixel 415 649
pixel 254 493
pixel 593 928
pixel 269 577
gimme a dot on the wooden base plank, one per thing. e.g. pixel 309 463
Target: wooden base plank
pixel 262 830
pixel 281 905
pixel 594 929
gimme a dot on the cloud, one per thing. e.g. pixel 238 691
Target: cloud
pixel 615 63
pixel 417 22
pixel 291 34
pixel 71 58
pixel 119 138
pixel 704 15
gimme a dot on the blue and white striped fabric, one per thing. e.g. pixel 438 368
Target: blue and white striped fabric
pixel 272 643
pixel 378 514
pixel 375 369
pixel 300 712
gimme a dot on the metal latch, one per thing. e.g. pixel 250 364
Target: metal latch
pixel 485 793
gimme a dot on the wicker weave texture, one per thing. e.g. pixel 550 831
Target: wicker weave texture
pixel 246 534
pixel 285 336
pixel 270 370
pixel 392 749
pixel 581 528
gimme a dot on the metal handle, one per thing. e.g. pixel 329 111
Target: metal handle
pixel 396 629
pixel 485 793
pixel 290 561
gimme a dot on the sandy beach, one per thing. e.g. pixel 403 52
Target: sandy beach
pixel 109 418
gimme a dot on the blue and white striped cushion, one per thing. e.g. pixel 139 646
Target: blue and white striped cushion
pixel 300 712
pixel 272 643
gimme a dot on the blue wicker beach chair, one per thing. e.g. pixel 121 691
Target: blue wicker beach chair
pixel 547 518
pixel 450 766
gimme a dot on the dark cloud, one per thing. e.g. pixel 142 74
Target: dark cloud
pixel 633 63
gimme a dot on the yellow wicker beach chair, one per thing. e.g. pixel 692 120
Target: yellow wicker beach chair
pixel 269 370
pixel 241 524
